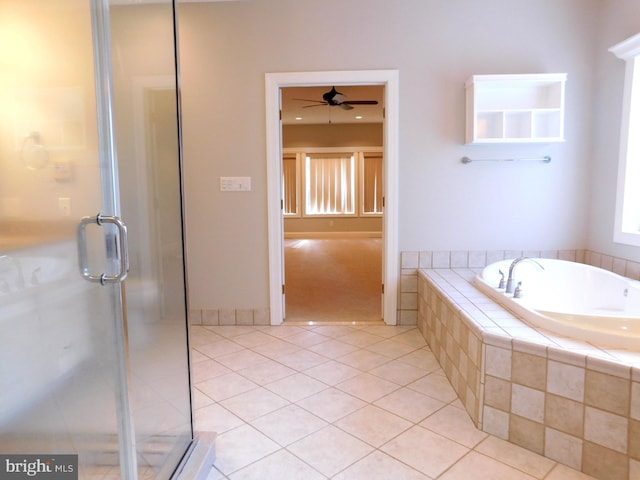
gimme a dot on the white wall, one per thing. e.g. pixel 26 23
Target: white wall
pixel 227 47
pixel 618 21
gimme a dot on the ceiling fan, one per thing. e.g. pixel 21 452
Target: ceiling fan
pixel 333 98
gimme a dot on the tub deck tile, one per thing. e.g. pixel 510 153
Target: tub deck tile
pixel 610 367
pixel 565 356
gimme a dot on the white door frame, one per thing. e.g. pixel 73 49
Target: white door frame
pixel 273 83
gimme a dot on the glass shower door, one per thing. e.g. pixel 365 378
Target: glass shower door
pixel 147 143
pixel 97 366
pixel 63 372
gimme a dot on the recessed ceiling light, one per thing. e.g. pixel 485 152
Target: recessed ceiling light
pixel 298 118
pixel 358 117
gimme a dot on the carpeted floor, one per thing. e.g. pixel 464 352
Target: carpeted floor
pixel 333 280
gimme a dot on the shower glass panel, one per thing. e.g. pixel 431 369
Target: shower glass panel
pixel 62 372
pixel 146 116
pixel 88 126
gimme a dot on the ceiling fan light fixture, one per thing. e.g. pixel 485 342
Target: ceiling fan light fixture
pixel 333 98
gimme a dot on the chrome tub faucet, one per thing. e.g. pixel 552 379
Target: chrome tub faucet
pixel 511 280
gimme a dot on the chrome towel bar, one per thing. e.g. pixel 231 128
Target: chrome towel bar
pixel 545 159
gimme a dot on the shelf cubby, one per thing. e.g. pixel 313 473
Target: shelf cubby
pixel 515 108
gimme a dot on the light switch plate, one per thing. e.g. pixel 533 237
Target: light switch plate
pixel 235 184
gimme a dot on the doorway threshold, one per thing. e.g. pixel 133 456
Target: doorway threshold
pixel 332 322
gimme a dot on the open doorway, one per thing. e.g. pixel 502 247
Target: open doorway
pixel 275 83
pixel 333 191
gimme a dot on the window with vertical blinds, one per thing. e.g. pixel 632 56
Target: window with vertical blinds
pixel 332 184
pixel 371 184
pixel 290 191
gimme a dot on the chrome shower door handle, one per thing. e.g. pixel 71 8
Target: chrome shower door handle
pixel 121 249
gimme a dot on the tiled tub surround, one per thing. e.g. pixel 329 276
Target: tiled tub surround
pixel 568 400
pixel 411 262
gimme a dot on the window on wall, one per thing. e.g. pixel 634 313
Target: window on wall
pixel 332 184
pixel 290 190
pixel 627 220
pixel 371 190
pixel 329 184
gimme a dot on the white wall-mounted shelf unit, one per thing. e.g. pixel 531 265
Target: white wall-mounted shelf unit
pixel 523 108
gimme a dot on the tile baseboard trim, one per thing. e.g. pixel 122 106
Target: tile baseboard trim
pixel 229 316
pixel 411 262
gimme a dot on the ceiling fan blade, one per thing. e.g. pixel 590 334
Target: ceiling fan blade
pixel 317 105
pixel 361 102
pixel 307 100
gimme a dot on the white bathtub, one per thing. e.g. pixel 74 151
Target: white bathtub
pixel 571 299
pixel 46 316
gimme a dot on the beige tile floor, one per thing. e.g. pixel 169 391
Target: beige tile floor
pixel 342 402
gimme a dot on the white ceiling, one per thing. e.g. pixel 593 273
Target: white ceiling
pixel 325 114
